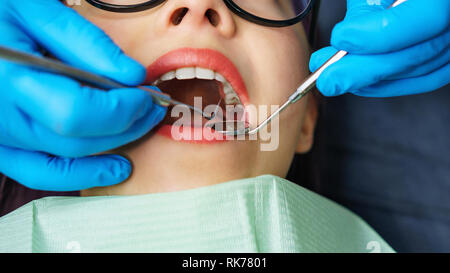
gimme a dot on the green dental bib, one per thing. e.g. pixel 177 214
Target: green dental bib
pixel 262 214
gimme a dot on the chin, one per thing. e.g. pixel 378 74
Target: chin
pixel 161 164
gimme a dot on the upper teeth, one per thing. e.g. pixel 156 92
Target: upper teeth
pixel 187 73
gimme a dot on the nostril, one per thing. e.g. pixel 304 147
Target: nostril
pixel 178 16
pixel 213 17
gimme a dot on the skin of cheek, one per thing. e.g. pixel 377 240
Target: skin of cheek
pixel 281 57
pixel 280 48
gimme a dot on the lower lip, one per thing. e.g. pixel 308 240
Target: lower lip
pixel 198 135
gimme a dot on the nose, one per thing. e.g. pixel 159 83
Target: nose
pixel 197 14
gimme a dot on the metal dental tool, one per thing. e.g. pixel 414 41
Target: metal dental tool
pixel 241 128
pixel 52 66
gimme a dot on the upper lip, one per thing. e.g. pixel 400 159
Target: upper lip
pixel 199 57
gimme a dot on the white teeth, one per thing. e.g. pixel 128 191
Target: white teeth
pixel 227 89
pixel 168 76
pixel 231 98
pixel 204 73
pixel 219 77
pixel 185 73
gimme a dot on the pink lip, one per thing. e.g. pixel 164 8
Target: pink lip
pixel 194 57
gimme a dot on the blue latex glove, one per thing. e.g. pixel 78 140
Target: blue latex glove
pixel 49 124
pixel 392 52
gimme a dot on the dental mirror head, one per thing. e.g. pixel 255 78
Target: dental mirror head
pixel 240 127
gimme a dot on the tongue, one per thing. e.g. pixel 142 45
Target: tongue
pixel 186 90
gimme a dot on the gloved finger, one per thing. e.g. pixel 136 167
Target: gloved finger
pixel 29 135
pixel 74 40
pixel 41 171
pixel 14 37
pixel 425 68
pixel 319 57
pixel 411 86
pixel 69 109
pixel 357 71
pixel 393 29
pixel 357 8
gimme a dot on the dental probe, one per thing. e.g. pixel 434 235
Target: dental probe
pixel 52 66
pixel 241 128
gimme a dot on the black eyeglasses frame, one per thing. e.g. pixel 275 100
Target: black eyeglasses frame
pixel 229 3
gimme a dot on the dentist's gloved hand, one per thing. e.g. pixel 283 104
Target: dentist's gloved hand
pixel 49 124
pixel 392 52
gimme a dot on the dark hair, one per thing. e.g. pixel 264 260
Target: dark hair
pixel 304 169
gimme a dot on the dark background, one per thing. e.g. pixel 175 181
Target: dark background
pixel 385 159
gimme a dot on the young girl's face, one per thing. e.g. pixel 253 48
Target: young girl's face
pixel 263 65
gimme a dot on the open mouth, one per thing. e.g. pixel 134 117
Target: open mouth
pixel 194 76
pixel 186 84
